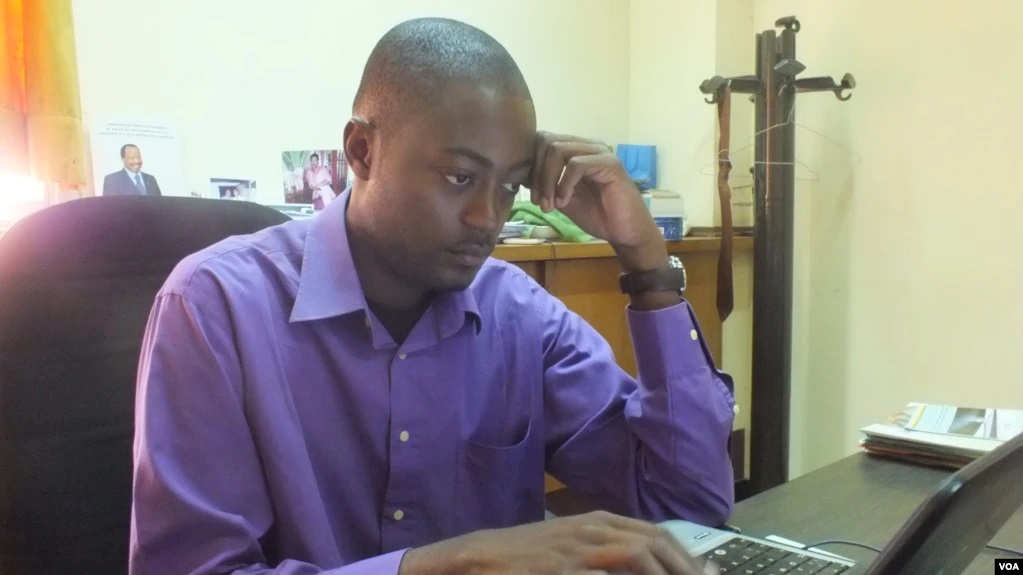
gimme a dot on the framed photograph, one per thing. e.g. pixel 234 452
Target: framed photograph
pixel 232 189
pixel 313 176
pixel 136 158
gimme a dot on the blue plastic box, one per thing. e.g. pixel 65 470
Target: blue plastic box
pixel 670 226
pixel 641 163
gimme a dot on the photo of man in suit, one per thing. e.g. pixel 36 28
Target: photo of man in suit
pixel 130 181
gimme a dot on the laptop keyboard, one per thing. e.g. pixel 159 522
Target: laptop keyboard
pixel 745 557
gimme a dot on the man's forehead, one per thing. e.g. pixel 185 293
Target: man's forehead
pixel 492 149
pixel 464 117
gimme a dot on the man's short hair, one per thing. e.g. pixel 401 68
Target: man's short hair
pixel 315 155
pixel 416 59
pixel 125 147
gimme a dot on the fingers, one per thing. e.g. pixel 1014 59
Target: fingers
pixel 542 141
pixel 577 167
pixel 647 564
pixel 674 557
pixel 553 153
pixel 628 557
pixel 640 546
pixel 636 525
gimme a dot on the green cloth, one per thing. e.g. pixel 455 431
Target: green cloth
pixel 529 213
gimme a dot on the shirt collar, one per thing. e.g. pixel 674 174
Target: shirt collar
pixel 329 284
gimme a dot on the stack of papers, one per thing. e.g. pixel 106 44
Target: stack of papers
pixel 513 230
pixel 941 435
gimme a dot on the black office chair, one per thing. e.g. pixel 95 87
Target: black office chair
pixel 77 282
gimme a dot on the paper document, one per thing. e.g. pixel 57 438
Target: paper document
pixel 941 435
pixel 1000 424
pixel 927 442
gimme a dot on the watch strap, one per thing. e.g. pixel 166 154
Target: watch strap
pixel 663 279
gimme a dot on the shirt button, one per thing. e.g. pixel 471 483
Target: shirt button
pixel 693 335
pixel 398 515
pixel 402 356
pixel 403 436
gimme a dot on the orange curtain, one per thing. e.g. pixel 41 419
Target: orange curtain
pixel 40 111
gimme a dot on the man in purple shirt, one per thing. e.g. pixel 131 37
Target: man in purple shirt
pixel 366 392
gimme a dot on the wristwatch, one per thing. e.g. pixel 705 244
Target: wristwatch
pixel 668 278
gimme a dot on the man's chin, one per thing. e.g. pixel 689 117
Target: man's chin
pixel 456 280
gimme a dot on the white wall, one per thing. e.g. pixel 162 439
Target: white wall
pixel 909 284
pixel 245 80
pixel 735 46
pixel 672 50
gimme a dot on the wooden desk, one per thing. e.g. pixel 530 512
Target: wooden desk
pixel 859 498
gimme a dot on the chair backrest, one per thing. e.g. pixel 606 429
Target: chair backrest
pixel 77 283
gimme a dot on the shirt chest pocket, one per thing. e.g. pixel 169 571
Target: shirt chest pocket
pixel 503 483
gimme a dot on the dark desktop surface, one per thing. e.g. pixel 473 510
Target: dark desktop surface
pixel 861 498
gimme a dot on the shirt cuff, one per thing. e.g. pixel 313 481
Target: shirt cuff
pixel 668 342
pixel 387 564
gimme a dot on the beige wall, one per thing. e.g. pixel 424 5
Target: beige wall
pixel 909 282
pixel 674 46
pixel 671 52
pixel 246 80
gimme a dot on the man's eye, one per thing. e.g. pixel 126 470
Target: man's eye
pixel 513 188
pixel 458 179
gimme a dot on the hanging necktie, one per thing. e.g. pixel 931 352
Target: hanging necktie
pixel 139 184
pixel 724 296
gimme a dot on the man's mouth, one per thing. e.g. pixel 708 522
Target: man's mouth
pixel 471 256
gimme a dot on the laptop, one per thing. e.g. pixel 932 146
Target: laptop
pixel 943 535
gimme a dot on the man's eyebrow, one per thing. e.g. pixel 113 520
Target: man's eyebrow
pixel 523 163
pixel 485 161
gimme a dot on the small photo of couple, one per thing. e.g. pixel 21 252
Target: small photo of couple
pixel 232 189
pixel 313 177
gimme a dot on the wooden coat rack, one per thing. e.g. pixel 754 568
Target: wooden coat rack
pixel 773 90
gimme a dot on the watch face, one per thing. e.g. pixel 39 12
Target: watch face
pixel 675 262
pixel 669 278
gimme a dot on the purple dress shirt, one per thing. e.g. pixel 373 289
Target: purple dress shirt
pixel 280 429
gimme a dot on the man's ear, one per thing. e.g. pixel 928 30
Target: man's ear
pixel 358 140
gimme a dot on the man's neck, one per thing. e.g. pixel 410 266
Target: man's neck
pixel 399 323
pixel 396 304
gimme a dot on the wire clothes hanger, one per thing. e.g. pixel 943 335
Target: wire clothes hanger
pixel 813 175
pixel 854 157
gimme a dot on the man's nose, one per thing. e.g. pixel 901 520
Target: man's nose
pixel 484 210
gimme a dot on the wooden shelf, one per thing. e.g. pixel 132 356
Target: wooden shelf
pixel 571 251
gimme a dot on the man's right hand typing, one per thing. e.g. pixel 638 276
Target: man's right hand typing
pixel 590 544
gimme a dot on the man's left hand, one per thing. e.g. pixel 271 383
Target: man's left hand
pixel 588 183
